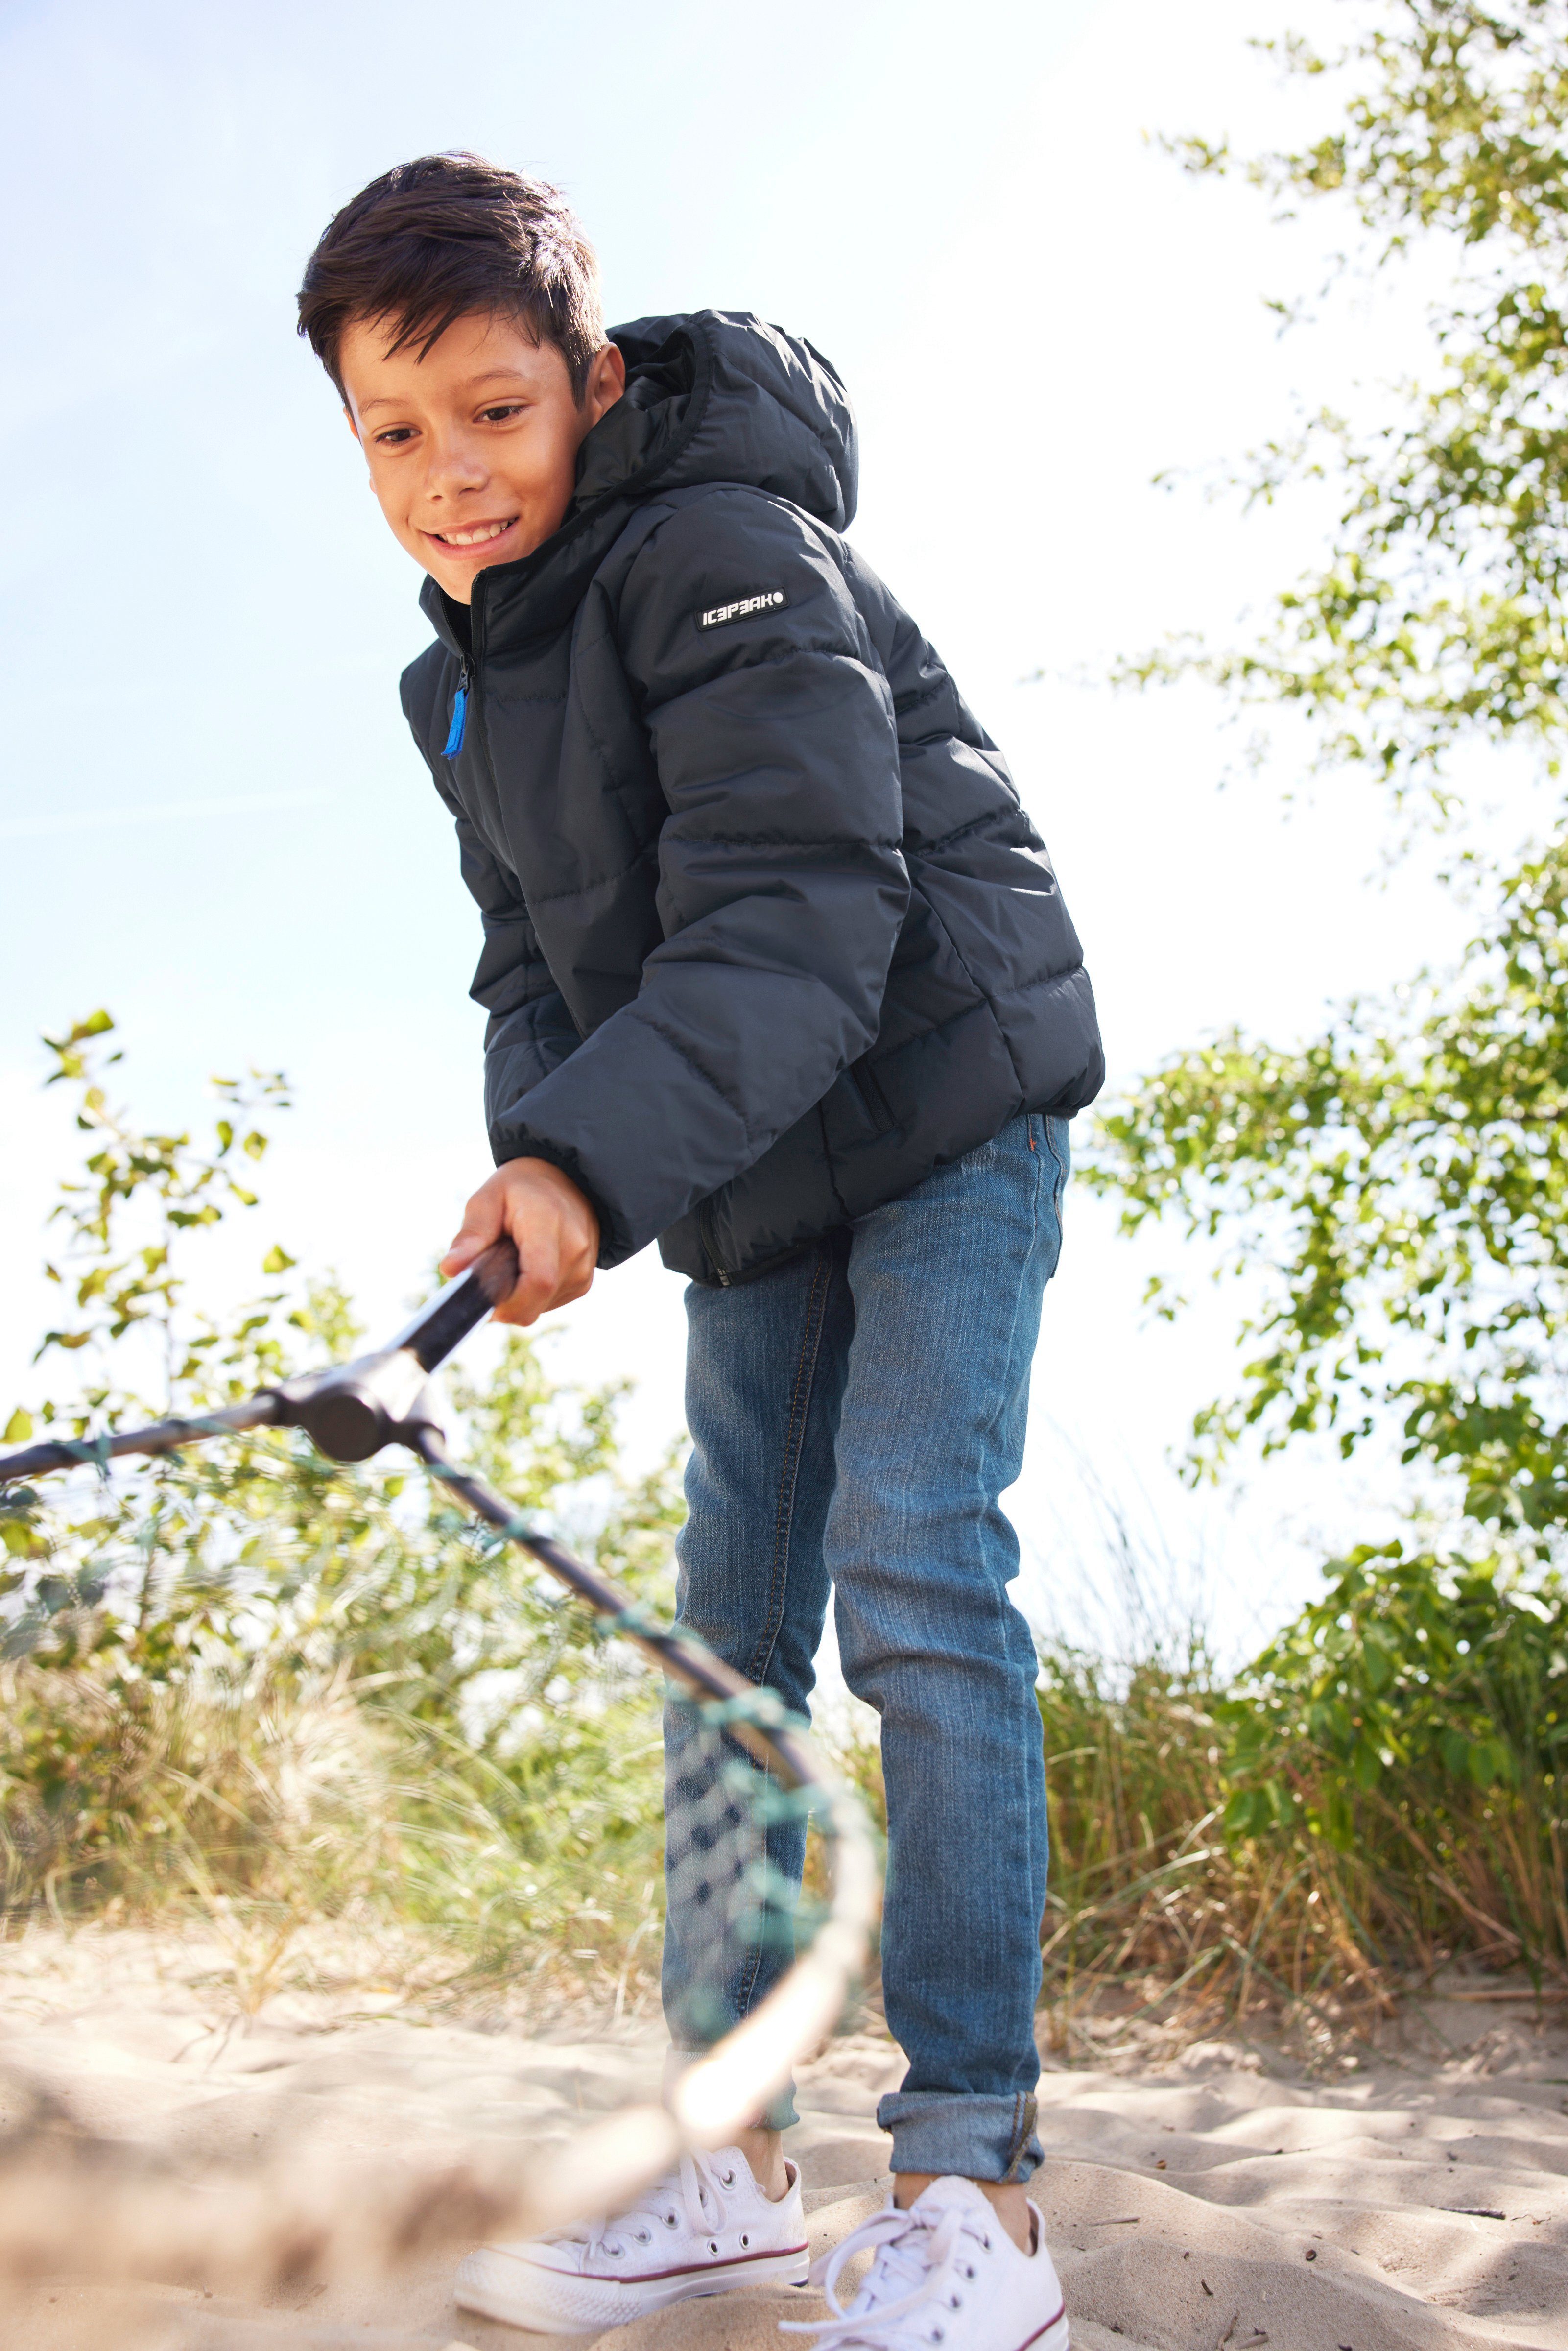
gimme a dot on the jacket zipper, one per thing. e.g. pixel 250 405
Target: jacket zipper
pixel 471 674
pixel 455 733
pixel 705 1227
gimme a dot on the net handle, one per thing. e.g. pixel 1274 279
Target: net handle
pixel 461 1307
pixel 436 1330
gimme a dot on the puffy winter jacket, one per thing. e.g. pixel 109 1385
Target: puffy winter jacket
pixel 768 935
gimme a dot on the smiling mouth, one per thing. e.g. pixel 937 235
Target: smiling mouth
pixel 478 534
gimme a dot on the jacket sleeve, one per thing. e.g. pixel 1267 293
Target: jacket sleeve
pixel 529 1030
pixel 781 878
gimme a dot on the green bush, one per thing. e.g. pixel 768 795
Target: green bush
pixel 1378 1792
pixel 1413 1723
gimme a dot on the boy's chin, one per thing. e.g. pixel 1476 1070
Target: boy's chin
pixel 460 590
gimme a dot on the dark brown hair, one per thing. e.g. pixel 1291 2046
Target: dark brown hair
pixel 433 241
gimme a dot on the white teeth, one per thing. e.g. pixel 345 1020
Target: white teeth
pixel 474 538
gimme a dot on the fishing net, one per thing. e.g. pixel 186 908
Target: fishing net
pixel 321 2138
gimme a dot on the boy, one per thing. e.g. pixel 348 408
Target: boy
pixel 778 974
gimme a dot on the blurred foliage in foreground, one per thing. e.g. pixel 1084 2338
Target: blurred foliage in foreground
pixel 246 1680
pixel 242 1683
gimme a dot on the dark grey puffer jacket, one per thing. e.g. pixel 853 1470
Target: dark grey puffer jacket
pixel 767 936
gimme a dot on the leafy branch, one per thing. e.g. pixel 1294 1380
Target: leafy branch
pixel 114 1288
pixel 1400 1185
pixel 1437 617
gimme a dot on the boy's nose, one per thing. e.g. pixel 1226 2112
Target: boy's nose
pixel 456 464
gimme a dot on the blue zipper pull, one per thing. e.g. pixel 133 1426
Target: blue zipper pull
pixel 454 743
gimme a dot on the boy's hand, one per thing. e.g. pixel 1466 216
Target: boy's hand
pixel 552 1228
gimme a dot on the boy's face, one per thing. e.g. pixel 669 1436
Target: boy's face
pixel 472 449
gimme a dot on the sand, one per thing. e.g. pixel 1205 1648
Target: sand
pixel 1413 2201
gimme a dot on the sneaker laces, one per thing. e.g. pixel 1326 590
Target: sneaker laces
pixel 696 2184
pixel 916 2264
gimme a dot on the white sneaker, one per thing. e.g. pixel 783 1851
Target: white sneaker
pixel 705 2228
pixel 944 2271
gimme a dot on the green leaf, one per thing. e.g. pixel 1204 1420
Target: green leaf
pixel 1246 1813
pixel 277 1259
pixel 19 1427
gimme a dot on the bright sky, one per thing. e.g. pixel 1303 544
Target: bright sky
pixel 213 819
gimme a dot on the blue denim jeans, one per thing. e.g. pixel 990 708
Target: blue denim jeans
pixel 855 1416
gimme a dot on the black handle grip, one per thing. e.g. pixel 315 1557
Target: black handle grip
pixel 446 1321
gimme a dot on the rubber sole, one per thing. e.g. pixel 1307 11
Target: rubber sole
pixel 548 2312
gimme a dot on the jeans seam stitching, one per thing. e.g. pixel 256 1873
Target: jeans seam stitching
pixel 1060 1182
pixel 995 1420
pixel 999 1592
pixel 794 1438
pixel 795 1430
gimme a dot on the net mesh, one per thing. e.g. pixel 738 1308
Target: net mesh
pixel 345 2127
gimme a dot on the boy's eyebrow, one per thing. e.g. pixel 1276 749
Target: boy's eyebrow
pixel 470 383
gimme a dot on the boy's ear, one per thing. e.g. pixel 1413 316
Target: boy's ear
pixel 606 381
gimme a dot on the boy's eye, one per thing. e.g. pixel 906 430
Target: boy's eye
pixel 502 411
pixel 394 435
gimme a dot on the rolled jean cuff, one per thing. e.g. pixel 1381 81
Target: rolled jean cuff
pixel 778 2114
pixel 961 2138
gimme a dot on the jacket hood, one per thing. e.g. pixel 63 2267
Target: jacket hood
pixel 715 396
pixel 720 397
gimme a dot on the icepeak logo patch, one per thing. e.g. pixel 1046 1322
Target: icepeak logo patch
pixel 767 600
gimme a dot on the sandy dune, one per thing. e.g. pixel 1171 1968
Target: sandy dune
pixel 1414 2203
